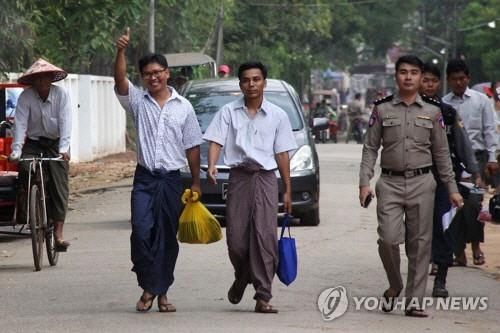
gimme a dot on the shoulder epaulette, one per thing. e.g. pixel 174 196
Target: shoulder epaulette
pixel 432 101
pixel 383 100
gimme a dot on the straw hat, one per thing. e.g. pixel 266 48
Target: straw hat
pixel 41 66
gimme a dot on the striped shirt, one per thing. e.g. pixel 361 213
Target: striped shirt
pixel 163 134
pixel 36 118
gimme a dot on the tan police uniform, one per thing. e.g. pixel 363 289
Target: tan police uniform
pixel 412 138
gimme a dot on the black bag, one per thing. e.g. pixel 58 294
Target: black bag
pixel 494 208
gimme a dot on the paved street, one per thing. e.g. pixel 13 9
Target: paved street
pixel 93 290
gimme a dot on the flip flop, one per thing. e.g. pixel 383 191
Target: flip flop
pixel 264 308
pixel 417 313
pixel 166 307
pixel 479 259
pixel 61 245
pixel 389 300
pixel 460 260
pixel 145 301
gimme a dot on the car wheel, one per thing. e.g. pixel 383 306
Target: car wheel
pixel 310 218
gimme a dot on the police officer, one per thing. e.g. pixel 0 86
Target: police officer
pixel 410 129
pixel 462 158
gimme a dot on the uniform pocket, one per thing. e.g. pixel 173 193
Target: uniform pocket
pixel 391 129
pixel 423 128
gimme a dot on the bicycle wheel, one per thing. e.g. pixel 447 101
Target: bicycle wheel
pixel 37 226
pixel 50 244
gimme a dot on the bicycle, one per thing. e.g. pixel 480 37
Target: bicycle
pixel 41 228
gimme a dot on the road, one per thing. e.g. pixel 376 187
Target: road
pixel 93 290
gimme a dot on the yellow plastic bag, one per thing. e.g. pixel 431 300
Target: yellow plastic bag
pixel 196 224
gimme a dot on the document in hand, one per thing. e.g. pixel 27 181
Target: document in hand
pixel 448 217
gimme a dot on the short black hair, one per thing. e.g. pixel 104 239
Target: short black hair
pixel 152 58
pixel 250 65
pixel 410 59
pixel 433 69
pixel 456 66
pixel 357 95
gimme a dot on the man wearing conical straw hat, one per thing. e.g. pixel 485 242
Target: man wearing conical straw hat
pixel 42 125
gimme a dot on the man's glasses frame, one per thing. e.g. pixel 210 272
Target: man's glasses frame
pixel 155 74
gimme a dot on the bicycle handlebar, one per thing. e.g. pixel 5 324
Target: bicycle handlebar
pixel 41 159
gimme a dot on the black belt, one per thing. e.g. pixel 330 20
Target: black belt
pixel 407 173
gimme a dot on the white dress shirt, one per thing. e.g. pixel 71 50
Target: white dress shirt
pixel 256 139
pixel 37 118
pixel 163 134
pixel 479 119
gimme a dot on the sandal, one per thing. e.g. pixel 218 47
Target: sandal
pixel 262 307
pixel 460 260
pixel 61 245
pixel 235 294
pixel 479 259
pixel 165 307
pixel 390 300
pixel 145 300
pixel 417 313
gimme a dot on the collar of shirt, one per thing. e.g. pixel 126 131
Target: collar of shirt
pixel 173 94
pixel 467 94
pixel 49 97
pixel 397 100
pixel 240 104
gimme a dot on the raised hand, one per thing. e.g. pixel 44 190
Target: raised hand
pixel 122 42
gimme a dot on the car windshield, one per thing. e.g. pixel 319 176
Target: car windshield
pixel 207 104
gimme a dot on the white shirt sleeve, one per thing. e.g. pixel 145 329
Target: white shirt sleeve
pixel 489 129
pixel 64 123
pixel 129 102
pixel 218 129
pixel 20 123
pixel 285 140
pixel 191 132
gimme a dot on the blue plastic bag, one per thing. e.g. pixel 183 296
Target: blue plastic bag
pixel 287 265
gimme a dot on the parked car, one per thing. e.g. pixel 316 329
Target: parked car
pixel 208 96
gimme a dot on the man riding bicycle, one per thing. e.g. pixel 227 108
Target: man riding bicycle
pixel 42 125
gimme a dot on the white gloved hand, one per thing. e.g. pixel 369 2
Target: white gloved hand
pixel 15 156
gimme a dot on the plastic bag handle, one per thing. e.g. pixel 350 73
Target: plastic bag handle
pixel 189 196
pixel 284 224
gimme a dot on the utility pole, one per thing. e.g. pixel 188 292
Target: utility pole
pixel 151 26
pixel 220 35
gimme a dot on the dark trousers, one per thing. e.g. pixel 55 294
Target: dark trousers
pixel 442 246
pixel 156 206
pixel 55 173
pixel 465 228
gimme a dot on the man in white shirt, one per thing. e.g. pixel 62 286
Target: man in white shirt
pixel 257 137
pixel 168 136
pixel 478 118
pixel 42 125
pixel 476 112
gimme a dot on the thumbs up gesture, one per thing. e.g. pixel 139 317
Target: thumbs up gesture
pixel 122 42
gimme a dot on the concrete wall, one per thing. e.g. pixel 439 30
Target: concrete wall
pixel 99 122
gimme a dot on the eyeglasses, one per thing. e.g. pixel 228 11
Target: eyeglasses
pixel 155 74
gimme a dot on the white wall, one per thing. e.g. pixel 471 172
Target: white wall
pixel 99 122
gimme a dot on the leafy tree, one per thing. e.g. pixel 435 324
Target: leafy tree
pixel 481 51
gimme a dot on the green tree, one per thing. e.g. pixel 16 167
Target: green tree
pixel 481 44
